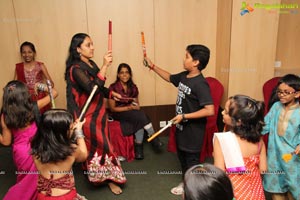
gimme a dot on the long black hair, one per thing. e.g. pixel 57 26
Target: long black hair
pixel 17 106
pixel 130 82
pixel 52 142
pixel 74 56
pixel 29 44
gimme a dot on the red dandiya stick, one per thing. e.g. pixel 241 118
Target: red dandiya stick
pixel 143 44
pixel 109 35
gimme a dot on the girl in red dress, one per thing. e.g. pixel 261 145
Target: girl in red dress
pixel 32 72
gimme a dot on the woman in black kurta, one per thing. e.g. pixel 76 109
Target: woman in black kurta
pixel 81 76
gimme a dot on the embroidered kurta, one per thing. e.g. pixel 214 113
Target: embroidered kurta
pixel 284 135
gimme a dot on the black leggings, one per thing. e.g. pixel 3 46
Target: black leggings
pixel 187 160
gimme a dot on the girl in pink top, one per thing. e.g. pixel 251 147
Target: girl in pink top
pixel 18 121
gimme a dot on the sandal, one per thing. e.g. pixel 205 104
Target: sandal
pixel 178 190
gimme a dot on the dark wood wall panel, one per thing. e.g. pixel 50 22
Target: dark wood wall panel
pixel 159 113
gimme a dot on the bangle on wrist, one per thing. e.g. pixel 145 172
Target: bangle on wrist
pixel 41 87
pixel 78 134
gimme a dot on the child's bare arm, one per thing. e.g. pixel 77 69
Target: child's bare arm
pixel 161 72
pixel 6 136
pixel 263 158
pixel 208 110
pixel 81 152
pixel 46 74
pixel 46 100
pixel 218 155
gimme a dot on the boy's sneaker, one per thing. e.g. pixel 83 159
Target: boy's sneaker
pixel 157 144
pixel 178 190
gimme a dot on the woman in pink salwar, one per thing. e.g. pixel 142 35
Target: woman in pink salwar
pixel 18 121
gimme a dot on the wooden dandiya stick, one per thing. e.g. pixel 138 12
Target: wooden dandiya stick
pixel 49 85
pixel 109 35
pixel 87 103
pixel 144 49
pixel 160 131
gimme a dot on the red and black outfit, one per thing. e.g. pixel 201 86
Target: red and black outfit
pixel 102 163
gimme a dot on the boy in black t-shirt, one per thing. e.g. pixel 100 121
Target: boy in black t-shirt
pixel 194 103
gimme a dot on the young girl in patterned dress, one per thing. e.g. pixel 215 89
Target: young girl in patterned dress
pixel 32 72
pixel 244 116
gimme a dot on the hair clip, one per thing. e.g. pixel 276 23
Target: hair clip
pixel 11 87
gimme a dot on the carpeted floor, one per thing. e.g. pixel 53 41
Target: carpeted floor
pixel 148 179
pixel 144 178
